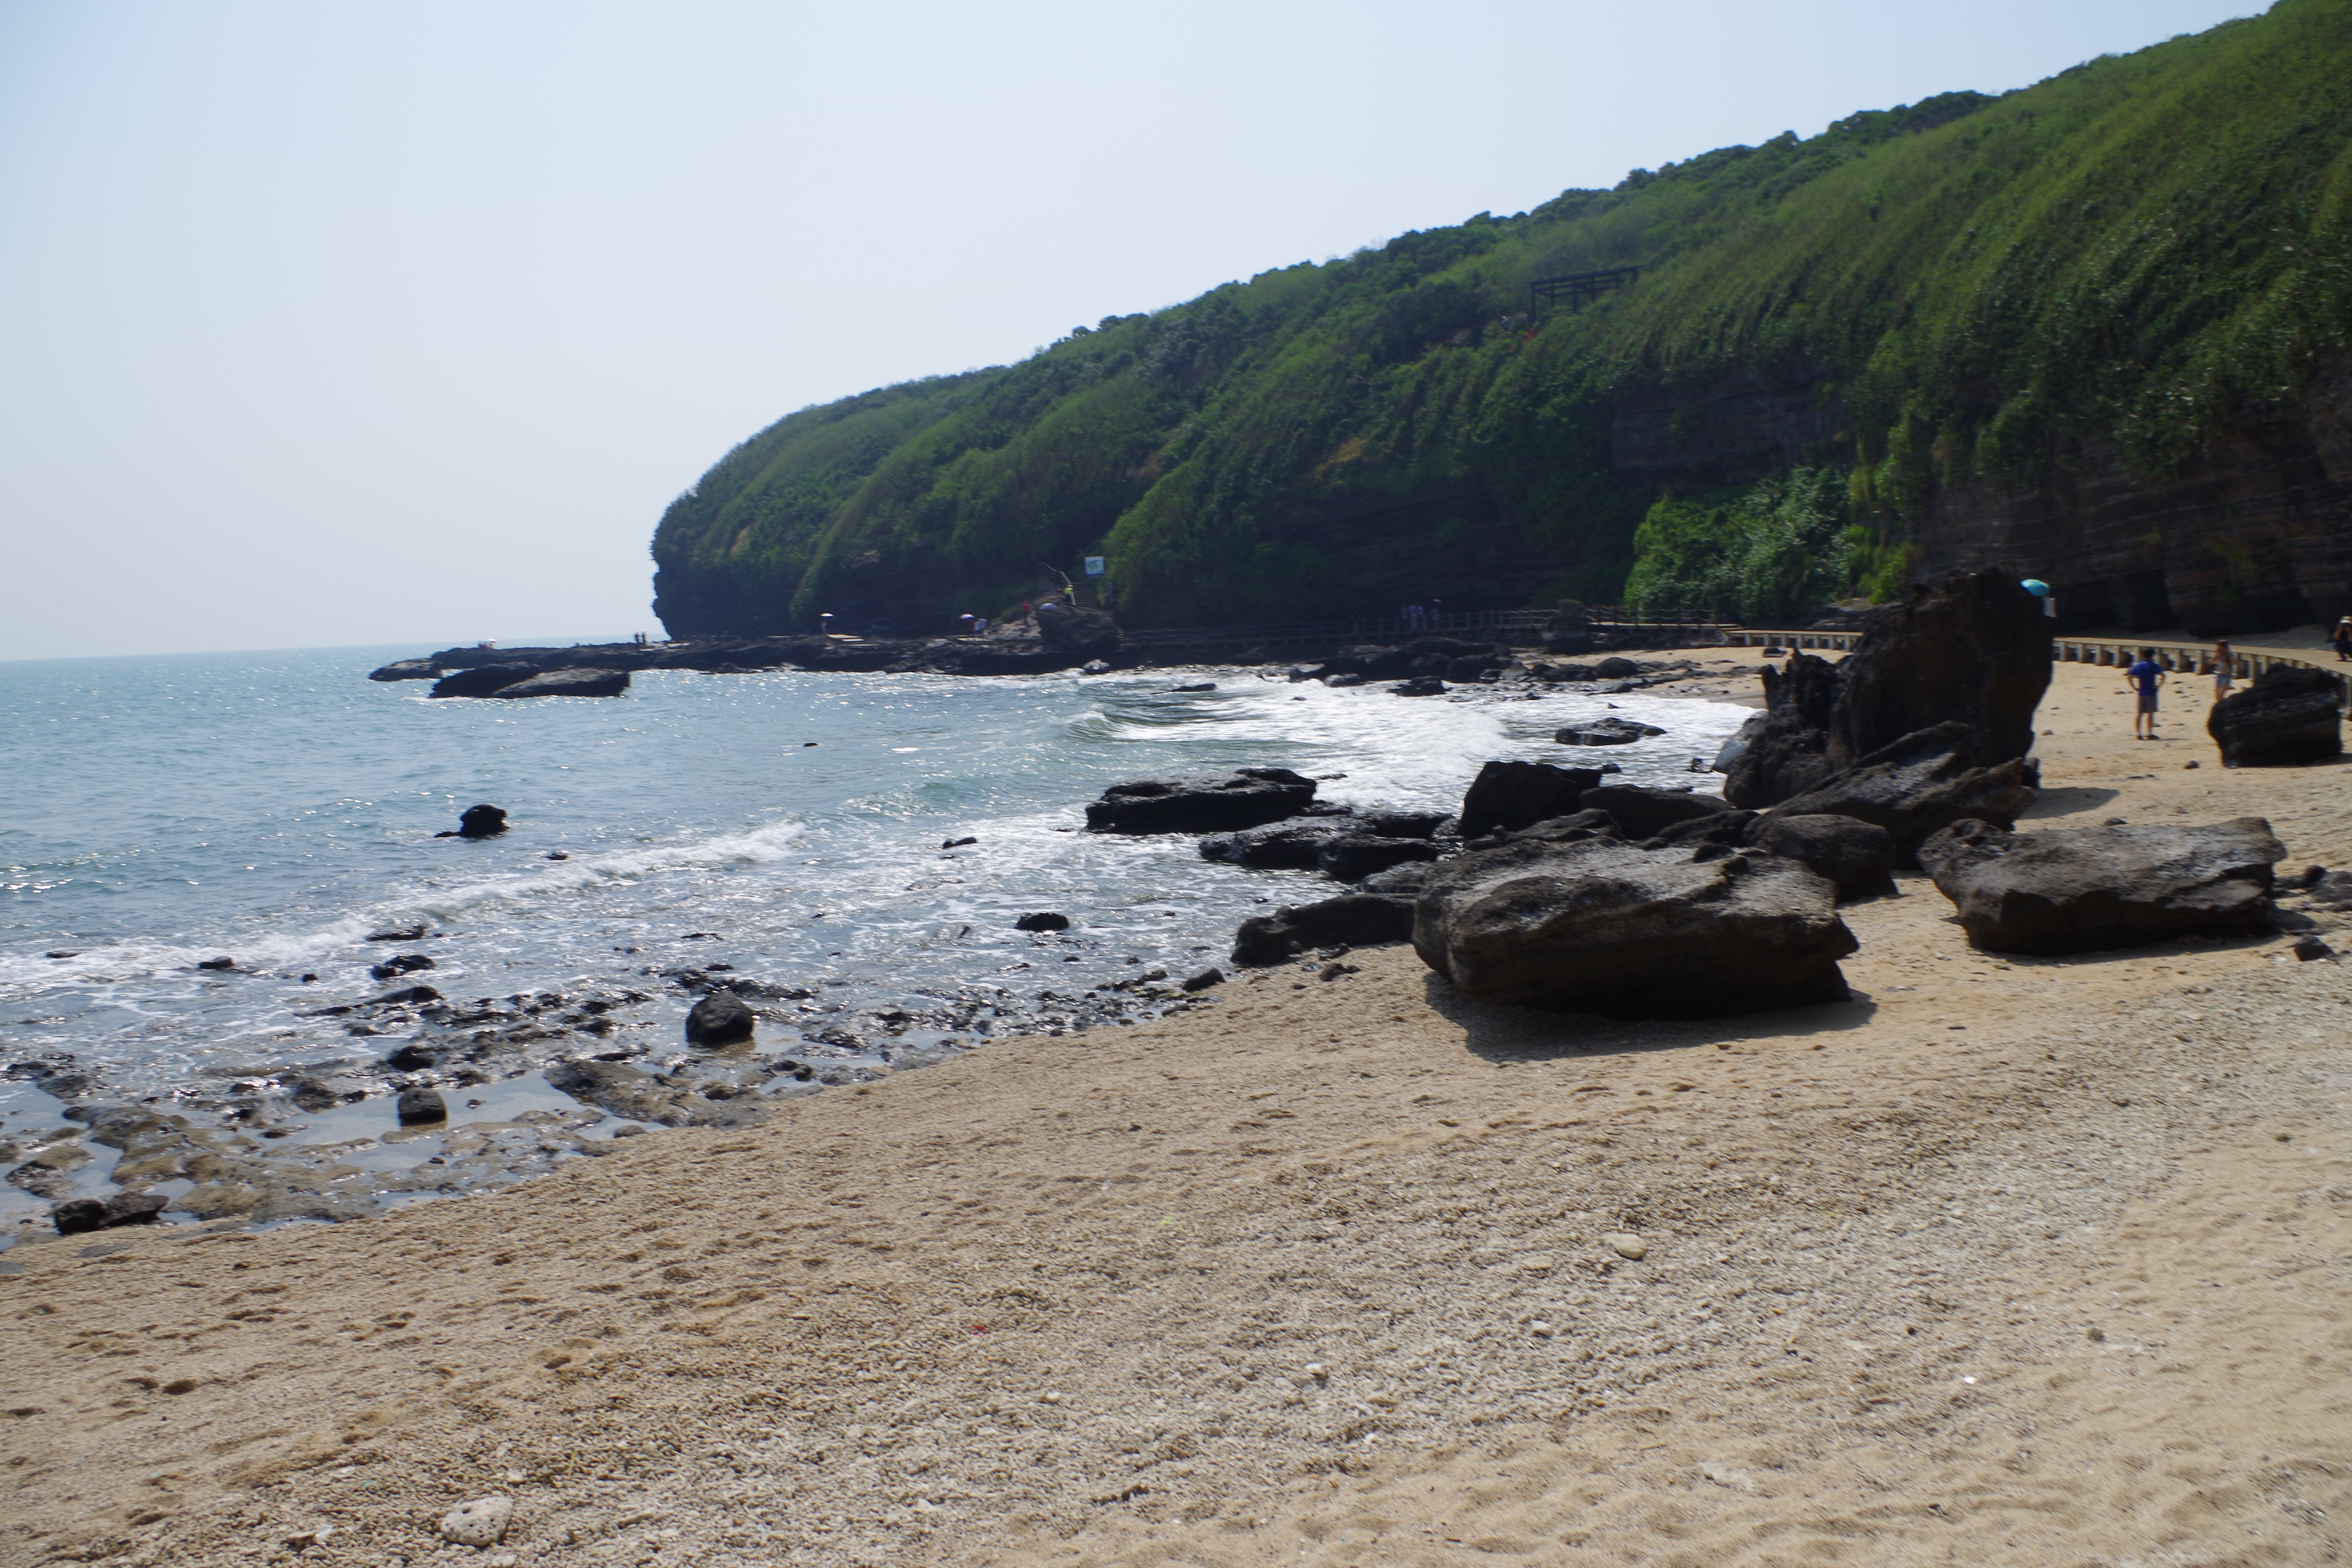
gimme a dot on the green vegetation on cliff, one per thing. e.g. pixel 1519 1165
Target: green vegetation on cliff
pixel 2141 250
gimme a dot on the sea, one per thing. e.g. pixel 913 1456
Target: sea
pixel 277 810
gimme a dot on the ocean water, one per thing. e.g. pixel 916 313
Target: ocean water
pixel 278 808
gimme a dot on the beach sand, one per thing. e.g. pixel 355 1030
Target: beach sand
pixel 2009 1261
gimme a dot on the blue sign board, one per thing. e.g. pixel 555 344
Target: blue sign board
pixel 1093 566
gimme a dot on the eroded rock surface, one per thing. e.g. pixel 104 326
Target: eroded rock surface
pixel 1607 927
pixel 2080 890
pixel 1209 802
pixel 2288 715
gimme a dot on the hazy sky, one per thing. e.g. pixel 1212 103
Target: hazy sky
pixel 365 322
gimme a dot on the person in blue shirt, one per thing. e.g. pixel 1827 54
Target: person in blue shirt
pixel 2147 681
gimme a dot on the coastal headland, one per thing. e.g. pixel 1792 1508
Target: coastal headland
pixel 2008 1259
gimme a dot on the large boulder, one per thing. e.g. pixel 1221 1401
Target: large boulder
pixel 2288 715
pixel 1920 784
pixel 1210 803
pixel 481 680
pixel 2079 890
pixel 1642 813
pixel 564 683
pixel 1506 796
pixel 406 670
pixel 1290 844
pixel 1077 628
pixel 1787 751
pixel 1352 919
pixel 1608 927
pixel 1857 857
pixel 1975 651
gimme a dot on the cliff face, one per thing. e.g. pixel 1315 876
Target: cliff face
pixel 2251 533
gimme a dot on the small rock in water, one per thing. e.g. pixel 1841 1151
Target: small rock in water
pixel 417 1106
pixel 217 963
pixel 404 933
pixel 557 854
pixel 720 1018
pixel 1206 978
pixel 481 1523
pixel 62 953
pixel 956 843
pixel 1043 920
pixel 1626 1245
pixel 1198 685
pixel 478 822
pixel 404 964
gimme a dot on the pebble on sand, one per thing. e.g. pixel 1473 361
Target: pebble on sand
pixel 1626 1245
pixel 481 1523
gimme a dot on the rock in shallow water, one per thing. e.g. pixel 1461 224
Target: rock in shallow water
pixel 720 1018
pixel 418 1106
pixel 1506 796
pixel 1044 919
pixel 1246 797
pixel 1607 927
pixel 566 683
pixel 2081 889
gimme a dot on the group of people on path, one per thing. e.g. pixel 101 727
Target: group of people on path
pixel 2146 675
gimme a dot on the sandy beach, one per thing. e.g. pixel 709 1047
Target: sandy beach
pixel 2007 1262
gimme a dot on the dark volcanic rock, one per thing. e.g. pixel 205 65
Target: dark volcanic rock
pixel 1345 678
pixel 566 683
pixel 1353 920
pixel 1788 752
pixel 1643 813
pixel 1974 651
pixel 1918 785
pixel 1420 685
pixel 1396 824
pixel 75 1215
pixel 400 964
pixel 481 680
pixel 1355 855
pixel 2288 715
pixel 1614 668
pixel 1044 919
pixel 1077 628
pixel 1607 927
pixel 640 1096
pixel 2079 890
pixel 1857 857
pixel 406 670
pixel 474 822
pixel 418 1106
pixel 1292 844
pixel 1505 795
pixel 1246 797
pixel 1202 981
pixel 405 993
pixel 720 1018
pixel 134 1208
pixel 1606 732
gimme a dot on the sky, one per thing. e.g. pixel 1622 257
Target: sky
pixel 372 323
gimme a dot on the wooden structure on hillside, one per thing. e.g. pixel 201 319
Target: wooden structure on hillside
pixel 1577 288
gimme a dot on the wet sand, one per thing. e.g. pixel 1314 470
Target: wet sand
pixel 2007 1262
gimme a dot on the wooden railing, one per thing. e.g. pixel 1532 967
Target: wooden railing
pixel 2181 658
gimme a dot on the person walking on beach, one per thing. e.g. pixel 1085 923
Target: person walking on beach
pixel 2343 639
pixel 2225 668
pixel 2147 679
